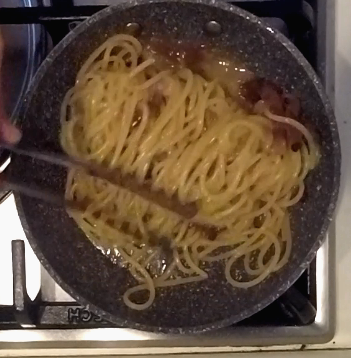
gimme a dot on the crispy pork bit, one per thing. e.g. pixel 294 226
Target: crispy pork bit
pixel 273 98
pixel 277 100
pixel 157 95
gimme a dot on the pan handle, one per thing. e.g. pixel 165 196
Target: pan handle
pixel 298 307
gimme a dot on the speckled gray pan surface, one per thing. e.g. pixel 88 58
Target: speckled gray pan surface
pixel 76 264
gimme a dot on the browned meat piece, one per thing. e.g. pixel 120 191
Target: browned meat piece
pixel 278 102
pixel 292 106
pixel 157 95
pixel 285 133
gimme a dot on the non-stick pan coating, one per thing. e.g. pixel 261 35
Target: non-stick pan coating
pixel 81 269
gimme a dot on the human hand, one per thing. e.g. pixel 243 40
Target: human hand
pixel 8 132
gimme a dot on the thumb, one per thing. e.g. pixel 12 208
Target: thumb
pixel 8 132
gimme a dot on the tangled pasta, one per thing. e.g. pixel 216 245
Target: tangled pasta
pixel 185 135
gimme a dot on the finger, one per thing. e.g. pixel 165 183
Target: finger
pixel 8 132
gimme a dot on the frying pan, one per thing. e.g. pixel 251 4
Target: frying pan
pixel 78 266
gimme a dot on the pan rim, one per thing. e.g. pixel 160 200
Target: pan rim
pixel 294 275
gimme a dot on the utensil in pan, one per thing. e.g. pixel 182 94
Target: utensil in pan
pixel 82 270
pixel 115 176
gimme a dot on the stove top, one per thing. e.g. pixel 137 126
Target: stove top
pixel 35 311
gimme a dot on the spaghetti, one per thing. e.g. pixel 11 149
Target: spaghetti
pixel 182 133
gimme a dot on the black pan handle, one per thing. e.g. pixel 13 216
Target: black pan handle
pixel 298 307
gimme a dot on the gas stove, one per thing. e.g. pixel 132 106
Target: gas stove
pixel 36 312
